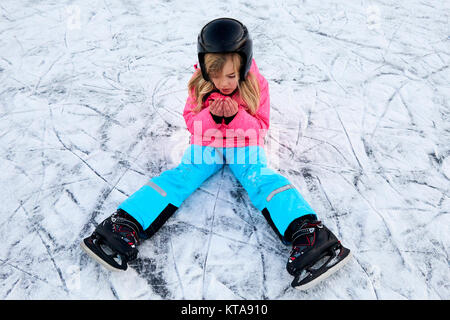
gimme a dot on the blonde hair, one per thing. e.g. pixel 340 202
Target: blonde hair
pixel 248 88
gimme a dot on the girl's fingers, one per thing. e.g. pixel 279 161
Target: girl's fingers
pixel 226 109
pixel 232 108
pixel 214 108
pixel 222 107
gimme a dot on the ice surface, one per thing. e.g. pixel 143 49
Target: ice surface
pixel 91 100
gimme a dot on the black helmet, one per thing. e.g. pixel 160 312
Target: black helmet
pixel 225 35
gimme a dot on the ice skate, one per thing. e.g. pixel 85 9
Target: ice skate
pixel 113 243
pixel 316 254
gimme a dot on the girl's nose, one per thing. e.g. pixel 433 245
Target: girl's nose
pixel 225 83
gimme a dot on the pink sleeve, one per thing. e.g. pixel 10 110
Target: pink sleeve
pixel 202 119
pixel 260 121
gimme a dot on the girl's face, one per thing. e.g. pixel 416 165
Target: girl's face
pixel 227 80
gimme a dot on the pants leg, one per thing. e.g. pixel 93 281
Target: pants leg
pixel 161 196
pixel 270 192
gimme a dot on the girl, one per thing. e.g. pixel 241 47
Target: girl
pixel 227 114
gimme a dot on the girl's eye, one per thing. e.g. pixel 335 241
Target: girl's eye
pixel 232 77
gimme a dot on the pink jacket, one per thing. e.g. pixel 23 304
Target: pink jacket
pixel 244 130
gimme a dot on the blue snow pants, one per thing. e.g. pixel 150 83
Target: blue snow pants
pixel 271 193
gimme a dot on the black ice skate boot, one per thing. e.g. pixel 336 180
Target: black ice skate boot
pixel 113 243
pixel 316 253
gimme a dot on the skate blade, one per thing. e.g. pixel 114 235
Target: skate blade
pixel 324 275
pixel 94 256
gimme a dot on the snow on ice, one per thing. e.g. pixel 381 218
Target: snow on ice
pixel 91 100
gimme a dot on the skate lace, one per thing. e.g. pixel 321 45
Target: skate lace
pixel 125 228
pixel 127 234
pixel 304 234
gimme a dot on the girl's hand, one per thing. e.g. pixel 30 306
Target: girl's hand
pixel 230 107
pixel 216 107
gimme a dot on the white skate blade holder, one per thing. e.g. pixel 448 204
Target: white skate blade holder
pixel 97 258
pixel 325 275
